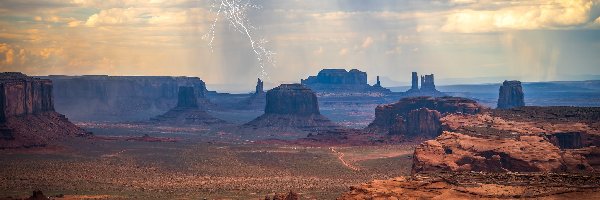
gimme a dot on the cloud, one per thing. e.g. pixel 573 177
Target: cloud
pixel 555 14
pixel 343 52
pixel 367 42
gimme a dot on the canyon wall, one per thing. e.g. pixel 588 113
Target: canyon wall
pixel 119 98
pixel 21 95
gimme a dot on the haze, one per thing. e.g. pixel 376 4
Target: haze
pixel 470 41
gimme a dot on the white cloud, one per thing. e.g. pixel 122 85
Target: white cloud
pixel 367 42
pixel 520 16
pixel 343 52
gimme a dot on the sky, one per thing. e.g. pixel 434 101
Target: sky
pixel 466 40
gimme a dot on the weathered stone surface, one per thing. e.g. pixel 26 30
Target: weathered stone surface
pixel 27 117
pixel 291 99
pixel 187 98
pixel 389 118
pixel 511 95
pixel 119 98
pixel 423 123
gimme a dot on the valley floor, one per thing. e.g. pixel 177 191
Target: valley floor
pixel 193 168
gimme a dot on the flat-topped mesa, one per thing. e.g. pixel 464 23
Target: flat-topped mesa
pixel 511 95
pixel 27 116
pixel 186 98
pixel 419 116
pixel 340 80
pixel 291 99
pixel 292 106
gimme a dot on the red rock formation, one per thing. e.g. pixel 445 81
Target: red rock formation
pixel 480 186
pixel 511 95
pixel 27 116
pixel 423 123
pixel 390 118
pixel 527 139
pixel 21 95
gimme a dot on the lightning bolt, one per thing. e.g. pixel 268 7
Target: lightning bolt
pixel 235 12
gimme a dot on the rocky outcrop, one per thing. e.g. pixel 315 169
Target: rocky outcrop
pixel 119 98
pixel 514 141
pixel 471 185
pixel 340 80
pixel 187 111
pixel 27 117
pixel 427 87
pixel 511 95
pixel 423 123
pixel 22 95
pixel 259 87
pixel 292 106
pixel 397 119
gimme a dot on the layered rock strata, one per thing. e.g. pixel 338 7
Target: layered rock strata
pixel 27 117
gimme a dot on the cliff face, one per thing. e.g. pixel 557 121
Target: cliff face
pixel 291 99
pixel 119 98
pixel 27 116
pixel 423 123
pixel 186 98
pixel 393 118
pixel 511 95
pixel 21 95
